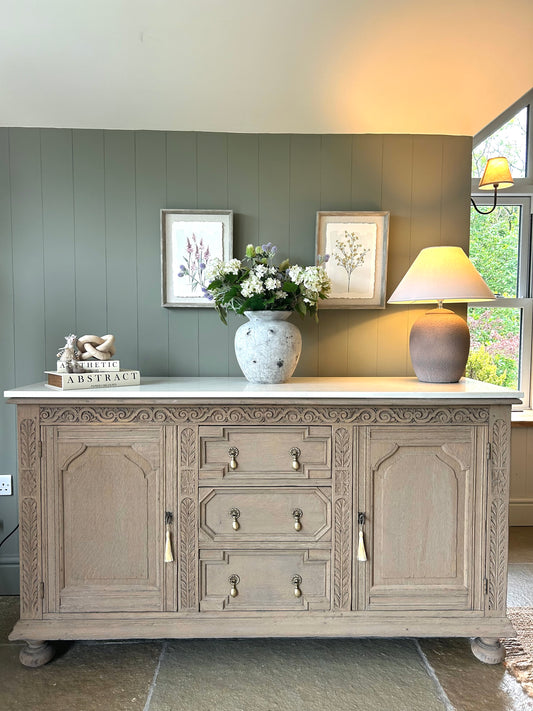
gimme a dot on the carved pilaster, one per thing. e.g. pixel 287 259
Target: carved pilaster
pixel 342 517
pixel 188 518
pixel 498 514
pixel 29 508
pixel 188 595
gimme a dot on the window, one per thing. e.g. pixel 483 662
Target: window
pixel 500 248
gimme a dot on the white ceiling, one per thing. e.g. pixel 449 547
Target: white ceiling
pixel 305 66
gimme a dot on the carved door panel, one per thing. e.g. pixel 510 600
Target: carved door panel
pixel 424 522
pixel 104 519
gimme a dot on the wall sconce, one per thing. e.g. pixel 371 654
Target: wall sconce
pixel 439 341
pixel 496 175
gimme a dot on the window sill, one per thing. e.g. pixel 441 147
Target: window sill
pixel 522 418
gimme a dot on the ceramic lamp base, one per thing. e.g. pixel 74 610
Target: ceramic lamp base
pixel 439 345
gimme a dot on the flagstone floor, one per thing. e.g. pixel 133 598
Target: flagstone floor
pixel 269 675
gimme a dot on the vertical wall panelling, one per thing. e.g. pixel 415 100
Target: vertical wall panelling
pixel 90 232
pixel 335 194
pixel 181 162
pixel 367 177
pixel 367 185
pixel 7 342
pixel 8 506
pixel 426 193
pixel 456 185
pixel 28 254
pixel 150 190
pixel 304 189
pixel 121 241
pixel 182 193
pixel 274 192
pixel 212 195
pixel 58 237
pixel 397 198
pixel 243 197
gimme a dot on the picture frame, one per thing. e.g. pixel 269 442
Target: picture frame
pixel 357 245
pixel 189 240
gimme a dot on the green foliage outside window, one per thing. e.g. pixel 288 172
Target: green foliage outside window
pixel 510 140
pixel 495 332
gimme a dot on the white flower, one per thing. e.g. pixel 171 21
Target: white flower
pixel 280 294
pixel 296 274
pixel 232 267
pixel 260 270
pixel 214 269
pixel 252 285
pixel 272 284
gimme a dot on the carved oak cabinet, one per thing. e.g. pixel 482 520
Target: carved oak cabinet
pixel 215 508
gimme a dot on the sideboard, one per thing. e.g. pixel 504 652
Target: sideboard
pixel 211 507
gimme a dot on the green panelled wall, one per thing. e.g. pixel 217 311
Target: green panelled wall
pixel 80 245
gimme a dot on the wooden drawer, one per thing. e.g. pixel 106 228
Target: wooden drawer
pixel 265 514
pixel 257 451
pixel 264 580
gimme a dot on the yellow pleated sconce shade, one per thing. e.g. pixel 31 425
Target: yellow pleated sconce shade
pixel 496 172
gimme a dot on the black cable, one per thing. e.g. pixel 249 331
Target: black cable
pixel 8 535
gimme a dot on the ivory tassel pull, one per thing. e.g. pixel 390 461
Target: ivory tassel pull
pixel 361 552
pixel 168 542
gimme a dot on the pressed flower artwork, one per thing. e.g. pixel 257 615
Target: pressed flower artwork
pixel 194 245
pixel 357 268
pixel 191 240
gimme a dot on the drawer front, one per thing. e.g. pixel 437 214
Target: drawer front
pixel 282 452
pixel 265 514
pixel 265 580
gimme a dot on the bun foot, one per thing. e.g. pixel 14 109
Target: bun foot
pixel 36 653
pixel 488 651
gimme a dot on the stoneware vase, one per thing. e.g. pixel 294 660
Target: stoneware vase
pixel 268 347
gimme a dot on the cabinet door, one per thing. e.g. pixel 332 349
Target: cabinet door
pixel 424 519
pixel 104 519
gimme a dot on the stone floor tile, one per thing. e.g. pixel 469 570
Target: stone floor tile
pixel 469 684
pixel 9 614
pixel 83 677
pixel 276 675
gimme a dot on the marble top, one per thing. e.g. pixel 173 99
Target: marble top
pixel 386 388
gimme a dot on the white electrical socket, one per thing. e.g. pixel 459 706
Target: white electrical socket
pixel 6 484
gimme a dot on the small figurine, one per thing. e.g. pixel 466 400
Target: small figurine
pixel 69 355
pixel 98 347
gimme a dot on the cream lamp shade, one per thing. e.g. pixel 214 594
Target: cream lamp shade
pixel 441 274
pixel 496 174
pixel 439 341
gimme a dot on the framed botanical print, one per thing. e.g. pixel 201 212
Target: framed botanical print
pixel 356 244
pixel 190 240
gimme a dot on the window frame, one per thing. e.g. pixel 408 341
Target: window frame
pixel 521 185
pixel 523 300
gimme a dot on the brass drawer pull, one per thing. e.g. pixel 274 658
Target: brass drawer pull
pixel 296 580
pixel 234 580
pixel 297 515
pixel 295 454
pixel 235 513
pixel 233 454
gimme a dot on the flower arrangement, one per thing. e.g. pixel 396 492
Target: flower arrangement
pixel 254 283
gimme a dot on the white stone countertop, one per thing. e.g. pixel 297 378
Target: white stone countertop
pixel 296 388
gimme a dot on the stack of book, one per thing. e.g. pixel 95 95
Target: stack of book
pixel 96 374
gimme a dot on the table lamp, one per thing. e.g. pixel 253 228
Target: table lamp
pixel 440 340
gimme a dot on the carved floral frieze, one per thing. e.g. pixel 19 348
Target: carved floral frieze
pixel 261 414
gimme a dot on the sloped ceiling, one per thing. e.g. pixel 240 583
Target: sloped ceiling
pixel 305 66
